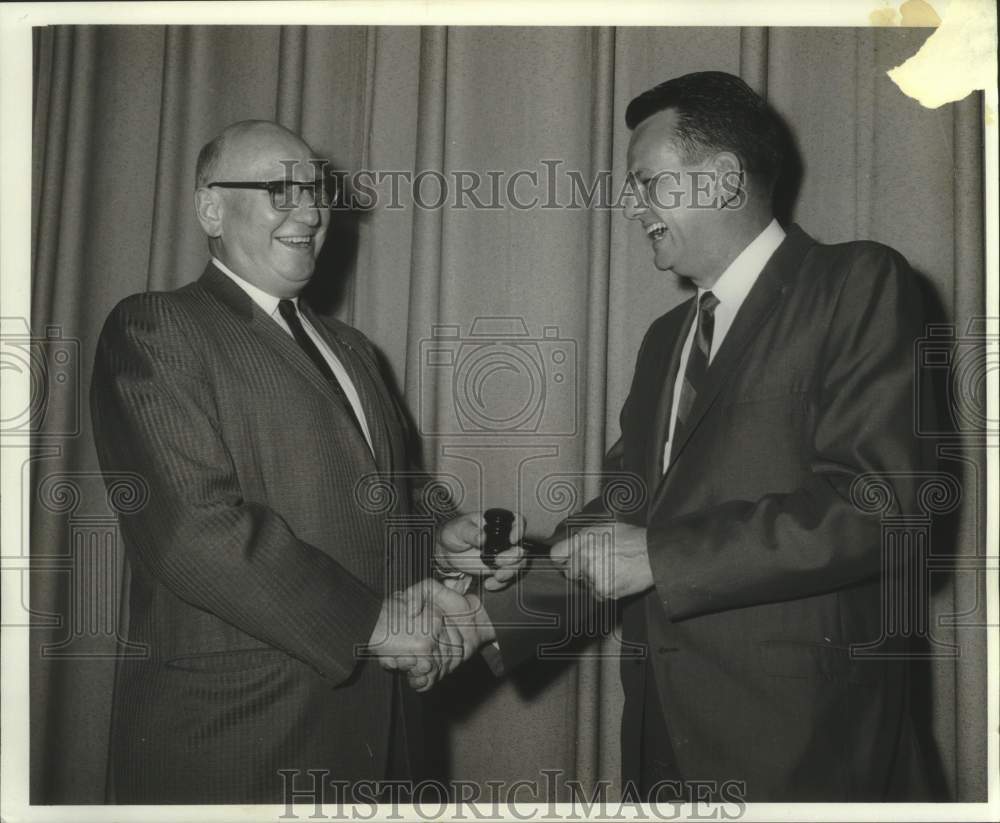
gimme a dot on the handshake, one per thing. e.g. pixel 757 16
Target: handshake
pixel 429 629
pixel 433 626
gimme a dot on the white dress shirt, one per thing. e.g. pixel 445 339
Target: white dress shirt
pixel 731 289
pixel 269 305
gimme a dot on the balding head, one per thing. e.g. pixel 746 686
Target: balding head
pixel 236 138
pixel 267 244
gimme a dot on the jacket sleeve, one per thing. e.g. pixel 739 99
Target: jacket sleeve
pixel 154 414
pixel 815 538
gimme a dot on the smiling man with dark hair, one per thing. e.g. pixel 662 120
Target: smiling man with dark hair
pixel 750 576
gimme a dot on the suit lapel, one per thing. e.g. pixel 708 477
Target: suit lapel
pixel 760 302
pixel 367 380
pixel 278 340
pixel 670 363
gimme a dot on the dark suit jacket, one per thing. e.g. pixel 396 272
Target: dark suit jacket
pixel 255 571
pixel 765 571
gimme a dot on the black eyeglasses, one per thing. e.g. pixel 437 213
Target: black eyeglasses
pixel 288 194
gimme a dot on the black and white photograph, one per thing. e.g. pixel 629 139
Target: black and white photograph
pixel 418 411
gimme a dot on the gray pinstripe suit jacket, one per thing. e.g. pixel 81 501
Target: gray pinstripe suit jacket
pixel 255 573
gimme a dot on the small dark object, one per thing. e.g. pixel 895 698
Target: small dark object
pixel 497 528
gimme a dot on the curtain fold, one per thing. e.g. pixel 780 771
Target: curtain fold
pixel 120 114
pixel 596 704
pixel 291 76
pixel 968 293
pixel 68 138
pixel 428 251
pixel 185 61
pixel 754 58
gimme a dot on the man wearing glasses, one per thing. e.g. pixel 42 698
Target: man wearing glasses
pixel 259 582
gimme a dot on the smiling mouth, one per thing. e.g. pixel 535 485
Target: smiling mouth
pixel 299 243
pixel 655 231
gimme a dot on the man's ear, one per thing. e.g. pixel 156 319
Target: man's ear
pixel 208 207
pixel 730 186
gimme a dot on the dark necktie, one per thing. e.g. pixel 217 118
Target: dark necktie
pixel 697 365
pixel 286 308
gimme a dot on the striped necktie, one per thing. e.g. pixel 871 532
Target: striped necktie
pixel 697 365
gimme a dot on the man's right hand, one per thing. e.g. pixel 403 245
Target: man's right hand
pixel 427 630
pixel 466 614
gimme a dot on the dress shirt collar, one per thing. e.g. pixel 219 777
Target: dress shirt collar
pixel 267 302
pixel 735 283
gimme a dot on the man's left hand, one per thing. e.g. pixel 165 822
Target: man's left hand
pixel 458 548
pixel 611 560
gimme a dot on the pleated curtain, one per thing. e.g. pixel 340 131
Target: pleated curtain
pixel 120 113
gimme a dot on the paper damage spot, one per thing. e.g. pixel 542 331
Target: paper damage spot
pixel 957 59
pixel 884 17
pixel 918 13
pixel 913 14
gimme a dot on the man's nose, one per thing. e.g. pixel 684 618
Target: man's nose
pixel 634 206
pixel 307 212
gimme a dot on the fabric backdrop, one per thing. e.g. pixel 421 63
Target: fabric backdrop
pixel 119 115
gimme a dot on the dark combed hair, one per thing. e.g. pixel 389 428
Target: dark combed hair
pixel 716 112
